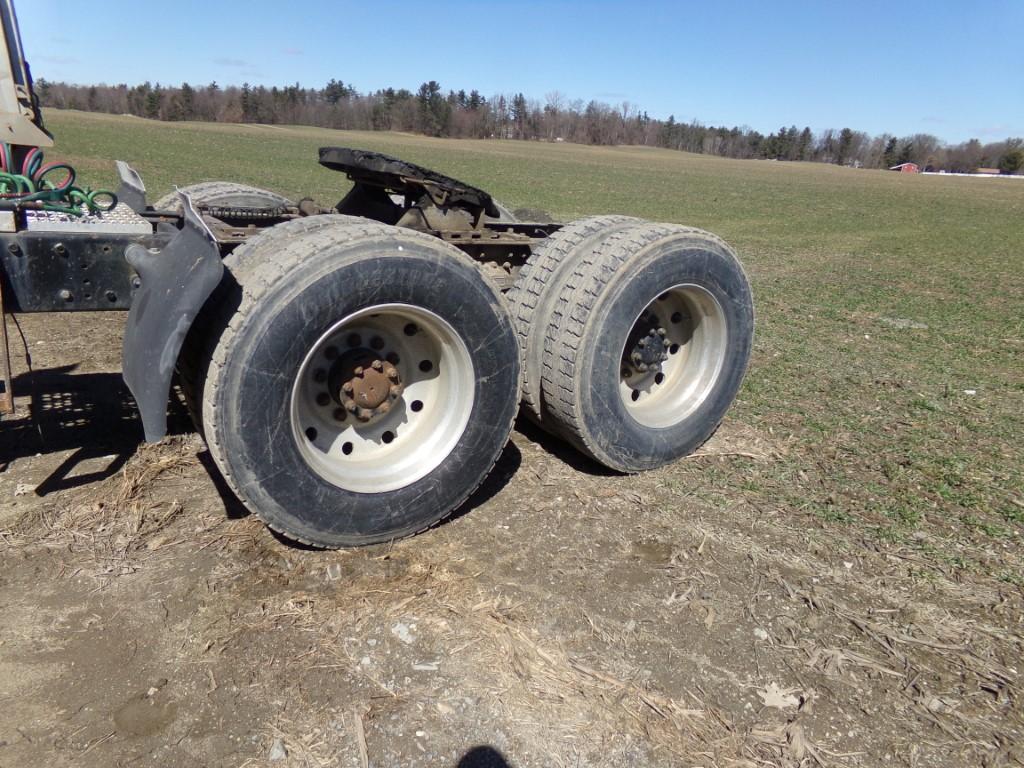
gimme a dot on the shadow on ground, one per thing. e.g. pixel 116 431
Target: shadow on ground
pixel 92 415
pixel 561 450
pixel 483 757
pixel 93 418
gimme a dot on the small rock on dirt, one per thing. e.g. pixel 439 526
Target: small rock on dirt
pixel 401 631
pixel 278 751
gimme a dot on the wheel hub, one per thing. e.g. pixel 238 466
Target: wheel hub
pixel 673 355
pixel 648 347
pixel 382 398
pixel 364 384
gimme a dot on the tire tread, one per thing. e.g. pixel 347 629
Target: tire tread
pixel 206 192
pixel 537 281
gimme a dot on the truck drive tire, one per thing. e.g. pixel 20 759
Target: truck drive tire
pixel 533 296
pixel 224 194
pixel 360 380
pixel 646 345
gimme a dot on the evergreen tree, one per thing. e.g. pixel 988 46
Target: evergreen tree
pixel 519 115
pixel 1012 161
pixel 154 99
pixel 889 155
pixel 803 149
pixel 843 146
pixel 187 102
pixel 245 100
pixel 434 112
pixel 906 153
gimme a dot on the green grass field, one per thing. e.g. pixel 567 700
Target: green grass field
pixel 889 361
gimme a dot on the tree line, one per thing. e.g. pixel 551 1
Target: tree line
pixel 435 112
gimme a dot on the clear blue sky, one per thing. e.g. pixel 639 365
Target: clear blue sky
pixel 954 69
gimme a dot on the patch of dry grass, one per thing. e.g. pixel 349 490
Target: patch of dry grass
pixel 120 521
pixel 557 696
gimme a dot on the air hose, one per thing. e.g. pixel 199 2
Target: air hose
pixel 50 185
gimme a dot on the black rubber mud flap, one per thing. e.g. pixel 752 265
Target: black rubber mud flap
pixel 176 282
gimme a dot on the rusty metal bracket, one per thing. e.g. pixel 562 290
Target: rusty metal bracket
pixel 7 396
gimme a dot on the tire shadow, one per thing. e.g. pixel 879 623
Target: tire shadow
pixel 509 461
pixel 561 450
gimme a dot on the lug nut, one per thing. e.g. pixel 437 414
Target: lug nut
pixel 642 367
pixel 391 373
pixel 384 407
pixel 662 332
pixel 358 371
pixel 347 388
pixel 377 365
pixel 364 414
pixel 394 390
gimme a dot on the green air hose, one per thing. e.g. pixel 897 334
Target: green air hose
pixel 51 185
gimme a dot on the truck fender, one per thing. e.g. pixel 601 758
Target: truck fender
pixel 175 283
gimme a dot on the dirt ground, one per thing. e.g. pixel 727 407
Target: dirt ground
pixel 565 617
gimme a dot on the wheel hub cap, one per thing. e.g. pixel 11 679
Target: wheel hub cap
pixel 648 346
pixel 364 384
pixel 672 356
pixel 382 398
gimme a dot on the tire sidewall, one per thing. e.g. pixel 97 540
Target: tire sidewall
pixel 269 349
pixel 616 437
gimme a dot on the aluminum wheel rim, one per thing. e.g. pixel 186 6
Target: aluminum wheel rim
pixel 690 327
pixel 424 423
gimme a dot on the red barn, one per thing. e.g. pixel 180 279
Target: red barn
pixel 906 168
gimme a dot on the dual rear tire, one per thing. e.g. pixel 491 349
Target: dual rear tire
pixel 635 337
